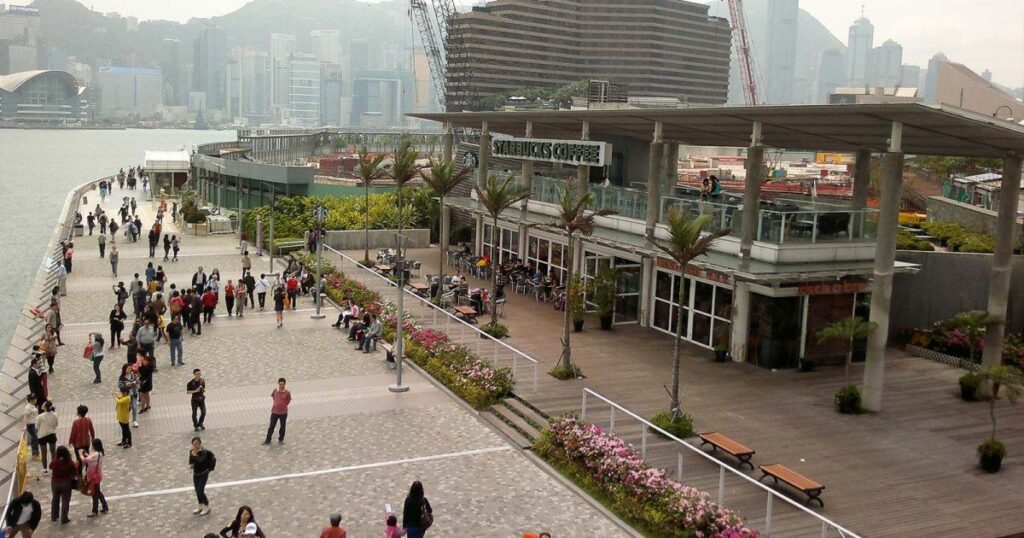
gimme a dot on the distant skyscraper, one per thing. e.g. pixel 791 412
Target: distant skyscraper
pixel 359 54
pixel 330 94
pixel 304 102
pixel 910 76
pixel 831 74
pixel 931 77
pixel 782 34
pixel 858 50
pixel 327 46
pixel 885 64
pixel 209 66
pixel 255 100
pixel 173 65
pixel 20 48
pixel 282 46
pixel 987 75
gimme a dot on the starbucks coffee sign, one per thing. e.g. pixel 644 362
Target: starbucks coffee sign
pixel 576 152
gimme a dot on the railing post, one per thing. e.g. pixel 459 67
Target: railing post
pixel 679 466
pixel 583 412
pixel 768 516
pixel 611 426
pixel 824 529
pixel 478 339
pixel 535 366
pixel 643 441
pixel 434 310
pixel 447 322
pixel 721 484
pixel 814 229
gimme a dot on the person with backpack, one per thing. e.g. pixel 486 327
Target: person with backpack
pixel 95 349
pixel 203 462
pixel 417 516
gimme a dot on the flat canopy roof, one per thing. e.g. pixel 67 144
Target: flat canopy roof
pixel 167 161
pixel 927 129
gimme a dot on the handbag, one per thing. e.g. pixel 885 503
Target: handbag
pixel 426 518
pixel 87 353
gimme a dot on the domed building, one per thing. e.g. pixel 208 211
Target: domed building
pixel 40 97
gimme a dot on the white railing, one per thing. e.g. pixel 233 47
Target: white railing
pixel 429 315
pixel 828 527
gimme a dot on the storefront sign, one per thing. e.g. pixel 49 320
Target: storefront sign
pixel 27 10
pixel 832 288
pixel 576 152
pixel 707 274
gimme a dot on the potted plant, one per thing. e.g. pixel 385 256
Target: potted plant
pixel 604 287
pixel 991 452
pixel 575 301
pixel 969 384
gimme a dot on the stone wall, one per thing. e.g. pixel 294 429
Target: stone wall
pixel 354 239
pixel 966 215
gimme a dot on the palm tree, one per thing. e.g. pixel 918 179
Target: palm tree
pixel 369 169
pixel 685 243
pixel 497 196
pixel 846 330
pixel 402 171
pixel 573 218
pixel 444 177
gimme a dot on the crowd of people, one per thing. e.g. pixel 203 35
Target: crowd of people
pixel 160 310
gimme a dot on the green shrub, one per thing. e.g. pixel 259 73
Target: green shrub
pixel 496 330
pixel 969 384
pixel 992 447
pixel 847 400
pixel 563 373
pixel 908 241
pixel 681 427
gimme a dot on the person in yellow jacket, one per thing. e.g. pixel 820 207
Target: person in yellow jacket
pixel 124 415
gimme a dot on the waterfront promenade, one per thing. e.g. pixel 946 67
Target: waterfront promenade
pixel 351 446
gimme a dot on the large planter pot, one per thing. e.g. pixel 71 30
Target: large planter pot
pixel 606 323
pixel 991 463
pixel 201 229
pixel 968 393
pixel 721 355
pixel 577 325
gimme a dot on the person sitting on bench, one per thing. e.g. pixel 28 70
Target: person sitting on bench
pixel 351 312
pixel 371 335
pixel 358 328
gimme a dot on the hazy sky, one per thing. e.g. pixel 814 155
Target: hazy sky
pixel 983 34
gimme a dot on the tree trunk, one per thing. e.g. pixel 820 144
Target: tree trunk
pixel 566 359
pixel 440 246
pixel 992 412
pixel 494 274
pixel 849 359
pixel 676 412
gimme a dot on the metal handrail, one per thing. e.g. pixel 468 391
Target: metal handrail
pixel 534 363
pixel 772 494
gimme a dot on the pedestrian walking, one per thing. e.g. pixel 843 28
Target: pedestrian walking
pixel 28 420
pixel 199 279
pixel 167 247
pixel 101 240
pixel 23 515
pixel 197 388
pixel 246 263
pixel 154 240
pixel 244 524
pixel 279 411
pixel 115 257
pixel 46 430
pixel 229 297
pixel 250 285
pixel 147 366
pixel 128 382
pixel 195 322
pixel 293 290
pixel 209 301
pixel 91 221
pixel 174 330
pixel 82 433
pixel 133 204
pixel 113 230
pixel 417 516
pixel 279 296
pixel 116 318
pixel 63 471
pixel 95 349
pixel 94 478
pixel 175 247
pixel 103 220
pixel 334 530
pixel 203 462
pixel 68 254
pixel 240 297
pixel 146 338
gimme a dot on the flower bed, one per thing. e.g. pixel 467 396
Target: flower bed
pixel 643 496
pixel 465 374
pixel 948 342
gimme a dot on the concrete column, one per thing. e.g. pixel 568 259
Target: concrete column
pixel 448 142
pixel 751 198
pixel 861 179
pixel 740 321
pixel 670 169
pixel 446 227
pixel 583 171
pixel 527 177
pixel 478 246
pixel 653 177
pixel 1002 262
pixel 523 231
pixel 485 153
pixel 881 287
pixel 646 289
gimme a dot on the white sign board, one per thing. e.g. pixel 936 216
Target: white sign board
pixel 574 152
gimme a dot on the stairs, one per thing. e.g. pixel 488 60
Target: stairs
pixel 519 421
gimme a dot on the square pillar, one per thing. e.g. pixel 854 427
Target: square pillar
pixel 751 200
pixel 447 143
pixel 653 176
pixel 670 171
pixel 740 321
pixel 1002 262
pixel 527 178
pixel 478 243
pixel 861 179
pixel 881 287
pixel 646 289
pixel 483 159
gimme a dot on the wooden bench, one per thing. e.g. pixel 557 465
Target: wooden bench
pixel 467 313
pixel 795 480
pixel 389 352
pixel 723 443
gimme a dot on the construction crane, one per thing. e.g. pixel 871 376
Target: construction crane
pixel 448 61
pixel 741 42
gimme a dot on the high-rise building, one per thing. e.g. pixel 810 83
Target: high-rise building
pixel 831 74
pixel 858 51
pixel 359 54
pixel 304 101
pixel 327 46
pixel 129 90
pixel 931 77
pixel 255 98
pixel 20 47
pixel 666 48
pixel 173 64
pixel 782 35
pixel 987 75
pixel 330 94
pixel 282 46
pixel 885 64
pixel 209 66
pixel 910 76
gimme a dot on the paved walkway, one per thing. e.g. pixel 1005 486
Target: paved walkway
pixel 351 444
pixel 910 470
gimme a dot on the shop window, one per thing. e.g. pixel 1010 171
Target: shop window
pixel 703 297
pixel 701 333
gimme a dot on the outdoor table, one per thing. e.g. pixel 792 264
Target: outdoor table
pixel 383 268
pixel 466 312
pixel 420 289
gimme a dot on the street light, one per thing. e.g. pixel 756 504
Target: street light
pixel 320 212
pixel 399 344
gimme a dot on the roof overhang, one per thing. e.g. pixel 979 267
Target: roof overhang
pixel 927 129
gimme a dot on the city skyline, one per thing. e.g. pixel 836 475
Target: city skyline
pixel 899 20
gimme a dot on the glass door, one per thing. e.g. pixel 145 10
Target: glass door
pixel 627 305
pixel 593 264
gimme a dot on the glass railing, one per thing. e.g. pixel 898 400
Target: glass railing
pixel 631 203
pixel 722 215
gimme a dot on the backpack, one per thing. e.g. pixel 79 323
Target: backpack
pixel 213 461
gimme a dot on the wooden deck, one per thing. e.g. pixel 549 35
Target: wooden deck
pixel 908 471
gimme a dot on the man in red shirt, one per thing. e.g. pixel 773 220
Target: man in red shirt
pixel 278 411
pixel 334 530
pixel 209 303
pixel 293 289
pixel 82 433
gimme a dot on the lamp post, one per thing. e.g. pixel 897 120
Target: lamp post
pixel 399 344
pixel 272 193
pixel 320 212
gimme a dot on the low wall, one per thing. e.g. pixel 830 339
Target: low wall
pixel 966 215
pixel 355 239
pixel 950 283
